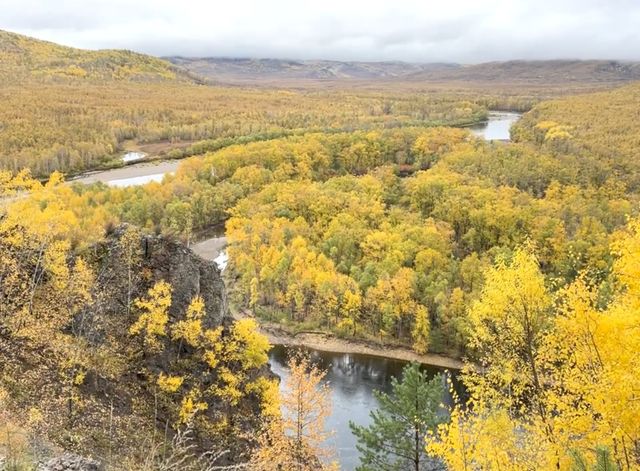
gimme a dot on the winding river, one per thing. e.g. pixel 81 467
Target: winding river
pixel 352 378
pixel 495 128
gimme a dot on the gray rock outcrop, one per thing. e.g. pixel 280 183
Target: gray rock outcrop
pixel 70 462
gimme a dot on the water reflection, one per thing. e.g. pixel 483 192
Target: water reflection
pixel 497 127
pixel 352 379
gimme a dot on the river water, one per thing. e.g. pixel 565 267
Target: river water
pixel 352 380
pixel 213 246
pixel 137 174
pixel 497 127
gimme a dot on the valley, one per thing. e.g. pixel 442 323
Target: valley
pixel 189 245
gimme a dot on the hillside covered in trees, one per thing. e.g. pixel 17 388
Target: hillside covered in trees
pixel 110 342
pixel 24 58
pixel 362 214
pixel 89 106
pixel 368 233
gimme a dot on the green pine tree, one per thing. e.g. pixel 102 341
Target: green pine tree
pixel 395 440
pixel 603 461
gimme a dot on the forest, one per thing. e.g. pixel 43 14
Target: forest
pixel 368 215
pixel 112 101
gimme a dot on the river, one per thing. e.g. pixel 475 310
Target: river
pixel 352 379
pixel 212 246
pixel 497 127
pixel 136 174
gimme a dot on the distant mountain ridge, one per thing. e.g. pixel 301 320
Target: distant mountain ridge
pixel 221 68
pixel 544 71
pixel 22 57
pixel 549 71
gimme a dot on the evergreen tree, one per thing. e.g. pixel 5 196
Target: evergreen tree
pixel 603 461
pixel 395 440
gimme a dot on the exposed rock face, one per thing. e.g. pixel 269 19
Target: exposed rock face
pixel 158 258
pixel 70 462
pixel 128 263
pixel 115 408
pixel 121 397
pixel 189 275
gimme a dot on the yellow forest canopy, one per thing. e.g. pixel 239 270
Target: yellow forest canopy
pixel 70 110
pixel 560 383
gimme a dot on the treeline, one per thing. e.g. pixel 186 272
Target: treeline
pixel 387 257
pixel 81 125
pixel 204 189
pixel 69 110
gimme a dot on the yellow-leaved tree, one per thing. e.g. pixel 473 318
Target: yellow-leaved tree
pixel 295 439
pixel 593 357
pixel 508 392
pixel 509 322
pixel 189 329
pixel 153 315
pixel 558 384
pixel 43 286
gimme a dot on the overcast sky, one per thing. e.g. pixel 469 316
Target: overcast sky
pixel 412 30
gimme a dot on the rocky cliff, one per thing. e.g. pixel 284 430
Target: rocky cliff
pixel 126 271
pixel 104 399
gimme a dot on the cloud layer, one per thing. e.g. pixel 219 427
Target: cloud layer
pixel 465 31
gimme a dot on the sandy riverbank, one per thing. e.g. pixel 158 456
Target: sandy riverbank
pixel 210 249
pixel 328 342
pixel 139 171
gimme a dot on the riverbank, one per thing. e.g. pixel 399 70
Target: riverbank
pixel 328 342
pixel 159 160
pixel 135 174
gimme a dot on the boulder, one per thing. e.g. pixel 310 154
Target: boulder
pixel 70 462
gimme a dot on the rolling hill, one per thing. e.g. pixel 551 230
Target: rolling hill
pixel 22 57
pixel 239 69
pixel 73 110
pixel 545 72
pixel 235 70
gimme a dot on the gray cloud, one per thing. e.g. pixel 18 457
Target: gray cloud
pixel 411 30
